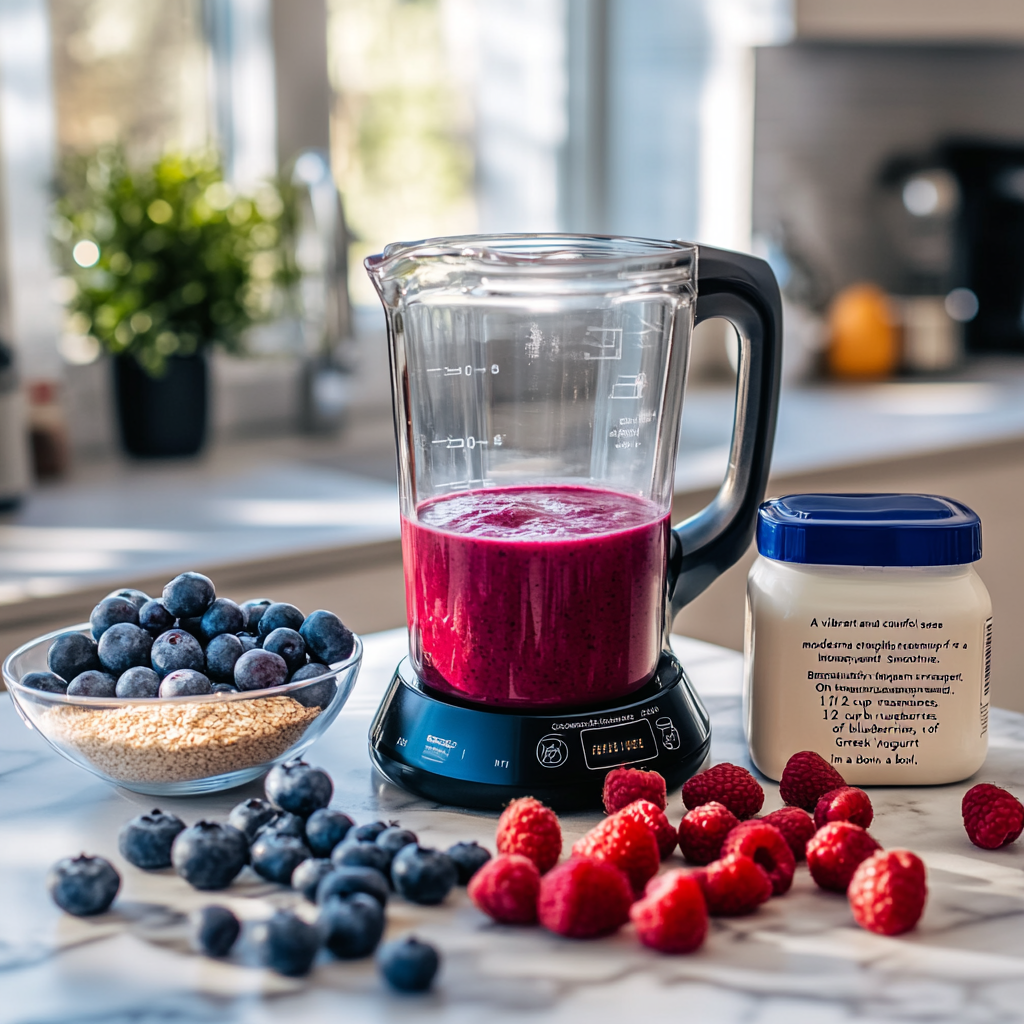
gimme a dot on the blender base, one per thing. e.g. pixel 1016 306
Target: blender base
pixel 455 752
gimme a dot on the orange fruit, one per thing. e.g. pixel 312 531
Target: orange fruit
pixel 863 335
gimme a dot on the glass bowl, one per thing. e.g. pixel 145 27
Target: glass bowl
pixel 179 745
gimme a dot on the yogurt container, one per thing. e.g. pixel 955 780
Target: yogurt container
pixel 868 638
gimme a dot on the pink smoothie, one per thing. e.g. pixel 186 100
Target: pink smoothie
pixel 536 595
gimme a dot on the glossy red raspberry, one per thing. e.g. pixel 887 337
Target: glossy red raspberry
pixel 584 898
pixel 703 830
pixel 627 843
pixel 796 826
pixel 888 891
pixel 506 888
pixel 526 826
pixel 733 885
pixel 624 785
pixel 992 816
pixel 847 803
pixel 834 852
pixel 765 845
pixel 728 784
pixel 672 916
pixel 806 778
pixel 654 818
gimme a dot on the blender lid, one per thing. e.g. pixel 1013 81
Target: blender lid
pixel 868 529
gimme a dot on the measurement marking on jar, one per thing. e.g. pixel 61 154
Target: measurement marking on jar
pixel 452 485
pixel 461 442
pixel 464 371
pixel 629 386
pixel 607 341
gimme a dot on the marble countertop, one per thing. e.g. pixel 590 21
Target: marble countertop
pixel 800 958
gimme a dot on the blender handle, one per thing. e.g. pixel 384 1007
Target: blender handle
pixel 741 289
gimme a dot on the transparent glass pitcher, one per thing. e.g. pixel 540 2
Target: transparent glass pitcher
pixel 538 385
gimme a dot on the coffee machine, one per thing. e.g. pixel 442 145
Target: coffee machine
pixel 537 383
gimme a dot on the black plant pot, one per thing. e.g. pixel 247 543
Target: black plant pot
pixel 161 417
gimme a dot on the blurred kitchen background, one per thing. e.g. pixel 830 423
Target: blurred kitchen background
pixel 872 152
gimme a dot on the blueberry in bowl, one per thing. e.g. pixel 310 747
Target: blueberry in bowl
pixel 179 723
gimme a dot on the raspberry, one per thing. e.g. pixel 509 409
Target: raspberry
pixel 888 891
pixel 506 889
pixel 584 898
pixel 728 784
pixel 526 826
pixel 624 785
pixel 672 917
pixel 653 817
pixel 765 845
pixel 796 827
pixel 703 830
pixel 992 816
pixel 834 852
pixel 733 885
pixel 847 803
pixel 806 778
pixel 625 842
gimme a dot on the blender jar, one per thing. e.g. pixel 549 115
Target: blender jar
pixel 537 385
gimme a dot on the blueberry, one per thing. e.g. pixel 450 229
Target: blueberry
pixel 93 684
pixel 223 688
pixel 325 829
pixel 185 682
pixel 353 853
pixel 368 833
pixel 109 612
pixel 146 840
pixel 284 824
pixel 138 682
pixel 71 654
pixel 318 695
pixel 260 670
pixel 254 610
pixel 327 638
pixel 223 616
pixel 249 641
pixel 249 815
pixel 83 885
pixel 123 646
pixel 423 875
pixel 213 930
pixel 351 927
pixel 408 964
pixel 295 786
pixel 277 615
pixel 392 839
pixel 209 855
pixel 288 945
pixel 193 626
pixel 275 856
pixel 155 618
pixel 289 645
pixel 308 874
pixel 189 594
pixel 137 597
pixel 221 654
pixel 345 881
pixel 468 859
pixel 176 649
pixel 48 682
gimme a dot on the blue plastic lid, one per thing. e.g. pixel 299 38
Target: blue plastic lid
pixel 868 529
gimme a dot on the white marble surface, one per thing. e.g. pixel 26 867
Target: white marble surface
pixel 799 959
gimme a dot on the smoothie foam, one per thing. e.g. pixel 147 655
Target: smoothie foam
pixel 536 595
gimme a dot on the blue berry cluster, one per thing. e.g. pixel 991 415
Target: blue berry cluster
pixel 292 838
pixel 189 642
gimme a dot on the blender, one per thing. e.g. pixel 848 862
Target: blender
pixel 537 383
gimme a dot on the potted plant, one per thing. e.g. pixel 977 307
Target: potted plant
pixel 168 262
